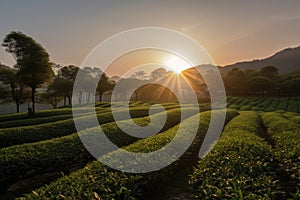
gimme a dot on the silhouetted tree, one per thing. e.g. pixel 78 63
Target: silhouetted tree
pixel 32 61
pixel 104 85
pixel 127 85
pixel 235 81
pixel 141 75
pixel 270 72
pixel 51 96
pixel 158 73
pixel 62 87
pixel 68 72
pixel 290 87
pixel 17 92
pixel 259 85
pixel 64 82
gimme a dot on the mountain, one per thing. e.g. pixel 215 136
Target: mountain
pixel 287 60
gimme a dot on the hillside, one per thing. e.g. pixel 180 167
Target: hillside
pixel 287 60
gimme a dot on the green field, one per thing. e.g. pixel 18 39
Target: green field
pixel 256 157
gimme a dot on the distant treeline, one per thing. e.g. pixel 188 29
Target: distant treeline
pixel 264 82
pixel 35 79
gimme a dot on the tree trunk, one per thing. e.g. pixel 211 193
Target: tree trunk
pixel 80 97
pixel 100 96
pixel 18 107
pixel 54 105
pixel 88 97
pixel 65 100
pixel 33 99
pixel 70 99
pixel 14 96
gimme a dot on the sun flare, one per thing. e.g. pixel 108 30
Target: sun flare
pixel 176 64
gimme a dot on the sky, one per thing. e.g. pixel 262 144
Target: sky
pixel 230 30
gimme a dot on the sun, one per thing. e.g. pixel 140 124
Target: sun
pixel 176 64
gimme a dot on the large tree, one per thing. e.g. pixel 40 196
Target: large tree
pixel 12 90
pixel 32 61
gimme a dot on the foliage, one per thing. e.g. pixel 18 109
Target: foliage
pixel 21 135
pixel 95 178
pixel 104 85
pixel 61 154
pixel 32 61
pixel 285 133
pixel 264 104
pixel 17 92
pixel 228 172
pixel 36 121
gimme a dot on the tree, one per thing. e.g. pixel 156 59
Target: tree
pixel 141 75
pixel 62 87
pixel 68 72
pixel 51 96
pixel 270 72
pixel 104 85
pixel 64 82
pixel 260 85
pixel 126 86
pixel 4 93
pixel 12 89
pixel 32 61
pixel 158 73
pixel 290 87
pixel 235 81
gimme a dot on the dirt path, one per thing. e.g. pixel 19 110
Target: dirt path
pixel 283 177
pixel 177 187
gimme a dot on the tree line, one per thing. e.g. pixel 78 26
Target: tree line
pixel 264 82
pixel 33 71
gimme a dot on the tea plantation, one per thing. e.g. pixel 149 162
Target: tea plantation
pixel 256 157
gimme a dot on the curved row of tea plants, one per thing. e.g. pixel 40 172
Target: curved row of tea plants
pixel 60 154
pixel 47 113
pixel 100 182
pixel 287 148
pixel 267 104
pixel 239 166
pixel 293 105
pixel 27 134
pixel 84 109
pixel 41 120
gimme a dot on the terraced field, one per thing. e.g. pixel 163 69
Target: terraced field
pixel 257 156
pixel 265 104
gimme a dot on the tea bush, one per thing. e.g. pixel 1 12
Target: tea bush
pixel 64 152
pixel 239 166
pixel 97 180
pixel 287 149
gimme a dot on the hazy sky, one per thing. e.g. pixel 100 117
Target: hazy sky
pixel 230 30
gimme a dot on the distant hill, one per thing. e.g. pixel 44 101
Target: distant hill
pixel 287 60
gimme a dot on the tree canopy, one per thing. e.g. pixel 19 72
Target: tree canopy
pixel 32 61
